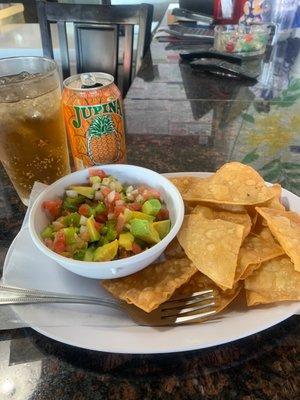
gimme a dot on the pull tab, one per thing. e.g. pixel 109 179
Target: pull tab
pixel 88 81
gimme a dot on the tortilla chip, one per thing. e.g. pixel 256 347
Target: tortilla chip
pixel 174 250
pixel 255 250
pixel 200 282
pixel 184 183
pixel 237 218
pixel 276 280
pixel 152 286
pixel 275 201
pixel 234 183
pixel 285 226
pixel 212 246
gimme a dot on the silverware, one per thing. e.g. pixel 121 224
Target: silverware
pixel 177 310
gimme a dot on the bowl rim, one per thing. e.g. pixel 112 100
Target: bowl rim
pixel 158 247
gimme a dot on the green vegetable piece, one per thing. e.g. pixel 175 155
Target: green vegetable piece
pixel 144 230
pixel 100 208
pixel 79 254
pixel 71 236
pixel 162 227
pixel 129 215
pixel 86 191
pixel 111 233
pixel 48 232
pixel 106 252
pixel 72 204
pixel 94 234
pixel 89 254
pixel 126 240
pixel 151 207
pixel 72 219
pixel 95 179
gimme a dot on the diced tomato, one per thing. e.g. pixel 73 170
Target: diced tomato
pixel 162 214
pixel 142 188
pixel 98 226
pixel 49 243
pixel 118 210
pixel 97 172
pixel 101 217
pixel 59 245
pixel 52 207
pixel 117 196
pixel 150 194
pixel 136 248
pixel 105 191
pixel 120 223
pixel 134 206
pixel 84 209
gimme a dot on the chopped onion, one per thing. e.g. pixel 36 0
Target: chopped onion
pixel 112 185
pixel 98 195
pixel 119 202
pixel 105 181
pixel 57 225
pixel 72 193
pixel 83 220
pixel 111 196
pixel 118 186
pixel 83 229
pixel 96 186
pixel 129 189
pixel 130 197
pixel 110 216
pixel 139 198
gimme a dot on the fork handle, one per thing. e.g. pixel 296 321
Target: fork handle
pixel 55 299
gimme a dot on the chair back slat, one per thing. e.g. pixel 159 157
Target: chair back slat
pixel 127 61
pixel 64 50
pixel 96 29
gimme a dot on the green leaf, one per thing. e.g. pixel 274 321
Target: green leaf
pixel 272 175
pixel 271 165
pixel 292 175
pixel 294 85
pixel 248 118
pixel 289 166
pixel 250 157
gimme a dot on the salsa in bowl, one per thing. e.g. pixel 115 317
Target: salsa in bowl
pixel 106 222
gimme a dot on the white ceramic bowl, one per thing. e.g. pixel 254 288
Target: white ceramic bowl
pixel 110 269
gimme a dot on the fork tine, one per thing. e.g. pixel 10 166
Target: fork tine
pixel 184 311
pixel 178 304
pixel 181 320
pixel 185 297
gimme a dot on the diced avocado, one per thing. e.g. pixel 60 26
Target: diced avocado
pixel 71 203
pixel 144 230
pixel 86 191
pixel 71 235
pixel 106 252
pixel 129 215
pixel 125 240
pixel 95 179
pixel 162 227
pixel 72 219
pixel 110 229
pixel 151 207
pixel 94 234
pixel 48 232
pixel 99 209
pixel 89 254
pixel 79 254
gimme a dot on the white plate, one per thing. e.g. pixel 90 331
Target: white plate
pixel 101 329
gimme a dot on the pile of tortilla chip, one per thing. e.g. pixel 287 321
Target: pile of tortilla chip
pixel 236 233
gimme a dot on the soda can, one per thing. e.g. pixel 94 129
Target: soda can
pixel 94 119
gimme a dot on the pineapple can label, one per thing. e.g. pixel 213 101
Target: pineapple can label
pixel 94 121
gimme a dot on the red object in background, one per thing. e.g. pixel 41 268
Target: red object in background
pixel 237 12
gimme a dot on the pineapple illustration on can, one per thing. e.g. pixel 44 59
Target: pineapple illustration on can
pixel 93 114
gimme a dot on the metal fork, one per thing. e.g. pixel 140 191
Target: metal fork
pixel 181 309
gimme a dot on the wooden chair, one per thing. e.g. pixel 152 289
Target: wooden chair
pixel 96 36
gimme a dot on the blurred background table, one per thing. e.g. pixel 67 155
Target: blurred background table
pixel 179 120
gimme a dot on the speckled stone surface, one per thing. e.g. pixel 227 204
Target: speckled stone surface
pixel 177 121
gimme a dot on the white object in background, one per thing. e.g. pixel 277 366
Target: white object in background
pixel 226 6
